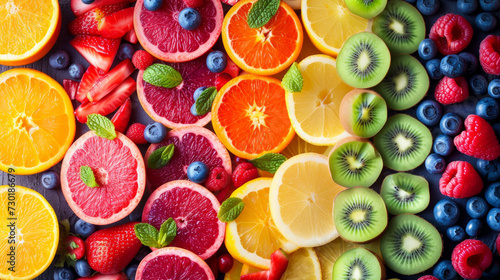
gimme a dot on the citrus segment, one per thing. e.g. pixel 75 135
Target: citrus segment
pixel 303 264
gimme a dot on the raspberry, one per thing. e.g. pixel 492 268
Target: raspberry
pixel 489 54
pixel 460 180
pixel 221 80
pixel 142 60
pixel 451 90
pixel 243 173
pixel 136 133
pixel 451 33
pixel 470 258
pixel 497 243
pixel 217 179
pixel 193 3
pixel 428 277
pixel 478 139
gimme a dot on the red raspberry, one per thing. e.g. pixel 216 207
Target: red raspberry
pixel 243 173
pixel 451 90
pixel 470 258
pixel 460 180
pixel 451 33
pixel 428 277
pixel 221 80
pixel 489 54
pixel 193 3
pixel 478 139
pixel 217 179
pixel 142 60
pixel 497 243
pixel 136 133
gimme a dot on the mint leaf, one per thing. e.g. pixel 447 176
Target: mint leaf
pixel 205 100
pixel 261 12
pixel 269 162
pixel 161 157
pixel 168 231
pixel 101 126
pixel 293 81
pixel 162 75
pixel 230 209
pixel 87 176
pixel 147 234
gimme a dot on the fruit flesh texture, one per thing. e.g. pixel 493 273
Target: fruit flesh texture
pixel 405 193
pixel 358 263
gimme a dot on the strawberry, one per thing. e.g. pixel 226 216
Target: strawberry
pixel 110 250
pixel 122 116
pixel 71 87
pixel 279 263
pixel 478 140
pixel 135 132
pixel 117 24
pixel 79 8
pixel 105 84
pixel 98 276
pixel 98 51
pixel 75 246
pixel 87 23
pixel 131 37
pixel 88 80
pixel 142 59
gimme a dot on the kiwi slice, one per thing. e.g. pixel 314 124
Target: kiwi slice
pixel 363 113
pixel 410 244
pixel 405 193
pixel 363 60
pixel 401 26
pixel 358 263
pixel 366 8
pixel 405 84
pixel 354 164
pixel 359 214
pixel 403 142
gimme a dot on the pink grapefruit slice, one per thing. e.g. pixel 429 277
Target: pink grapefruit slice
pixel 160 33
pixel 191 144
pixel 120 173
pixel 173 264
pixel 194 209
pixel 171 106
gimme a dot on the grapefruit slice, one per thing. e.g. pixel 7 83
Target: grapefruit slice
pixel 173 264
pixel 119 170
pixel 171 106
pixel 194 210
pixel 191 144
pixel 160 33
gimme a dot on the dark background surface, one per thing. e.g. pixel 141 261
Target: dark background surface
pixel 56 198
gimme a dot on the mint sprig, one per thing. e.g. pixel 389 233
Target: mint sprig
pixel 205 100
pixel 161 157
pixel 151 237
pixel 162 75
pixel 261 12
pixel 87 176
pixel 101 126
pixel 269 162
pixel 293 80
pixel 230 209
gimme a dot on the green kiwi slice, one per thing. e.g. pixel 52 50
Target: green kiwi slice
pixel 358 263
pixel 403 142
pixel 360 215
pixel 401 26
pixel 410 244
pixel 363 60
pixel 405 84
pixel 366 8
pixel 405 193
pixel 354 164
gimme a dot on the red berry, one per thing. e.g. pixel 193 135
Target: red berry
pixel 75 246
pixel 243 173
pixel 428 277
pixel 497 243
pixel 478 139
pixel 460 180
pixel 193 3
pixel 225 263
pixel 221 80
pixel 239 160
pixel 451 33
pixel 451 90
pixel 489 54
pixel 217 179
pixel 136 133
pixel 231 68
pixel 470 258
pixel 142 60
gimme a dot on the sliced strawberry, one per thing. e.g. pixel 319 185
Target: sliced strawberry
pixel 75 246
pixel 131 36
pixel 79 8
pixel 87 23
pixel 117 24
pixel 122 116
pixel 111 80
pixel 98 51
pixel 71 87
pixel 88 80
pixel 279 263
pixel 109 103
pixel 98 276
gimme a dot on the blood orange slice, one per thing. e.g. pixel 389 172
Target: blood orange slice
pixel 194 210
pixel 160 33
pixel 191 144
pixel 120 173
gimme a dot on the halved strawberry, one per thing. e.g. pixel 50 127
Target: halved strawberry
pixel 117 24
pixel 88 80
pixel 98 276
pixel 122 116
pixel 279 263
pixel 111 80
pixel 109 103
pixel 71 87
pixel 131 36
pixel 79 8
pixel 98 51
pixel 87 23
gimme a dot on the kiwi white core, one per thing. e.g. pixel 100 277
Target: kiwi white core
pixel 403 142
pixel 410 243
pixel 358 215
pixel 397 26
pixel 401 82
pixel 364 60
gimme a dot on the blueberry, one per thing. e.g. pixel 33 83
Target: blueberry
pixel 189 19
pixel 443 145
pixel 486 21
pixel 83 228
pixel 193 110
pixel 125 51
pixel 493 219
pixel 427 49
pixel 494 88
pixel 143 252
pixel 433 68
pixel 76 71
pixel 88 2
pixel 467 6
pixel 131 271
pixel 435 164
pixel 429 112
pixel 59 60
pixel 155 132
pixel 428 7
pixel 64 273
pixel 216 61
pixel 152 5
pixel 444 270
pixel 487 108
pixel 489 5
pixel 197 172
pixel 490 170
pixel 446 212
pixel 455 233
pixel 83 268
pixel 493 270
pixel 477 207
pixel 492 194
pixel 50 179
pixel 478 85
pixel 471 62
pixel 474 227
pixel 197 92
pixel 453 66
pixel 451 124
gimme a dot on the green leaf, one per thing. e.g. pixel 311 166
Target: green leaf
pixel 293 81
pixel 161 157
pixel 230 209
pixel 205 100
pixel 101 126
pixel 168 231
pixel 87 176
pixel 162 75
pixel 269 162
pixel 73 245
pixel 261 12
pixel 147 234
